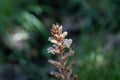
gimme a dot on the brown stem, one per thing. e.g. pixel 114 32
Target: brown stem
pixel 63 71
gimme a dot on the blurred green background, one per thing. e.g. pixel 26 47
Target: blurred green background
pixel 94 26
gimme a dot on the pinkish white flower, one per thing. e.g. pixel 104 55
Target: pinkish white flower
pixel 64 34
pixel 67 42
pixel 53 40
pixel 53 50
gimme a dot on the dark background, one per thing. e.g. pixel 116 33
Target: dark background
pixel 94 26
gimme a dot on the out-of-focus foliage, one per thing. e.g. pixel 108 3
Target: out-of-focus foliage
pixel 92 24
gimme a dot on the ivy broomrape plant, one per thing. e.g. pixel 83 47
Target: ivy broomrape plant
pixel 60 44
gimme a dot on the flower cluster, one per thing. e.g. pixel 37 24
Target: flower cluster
pixel 60 44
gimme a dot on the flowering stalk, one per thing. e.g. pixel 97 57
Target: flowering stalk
pixel 60 44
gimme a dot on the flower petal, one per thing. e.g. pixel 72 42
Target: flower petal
pixel 67 42
pixel 53 50
pixel 64 34
pixel 52 40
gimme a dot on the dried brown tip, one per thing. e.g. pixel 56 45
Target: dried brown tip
pixel 65 57
pixel 57 75
pixel 55 63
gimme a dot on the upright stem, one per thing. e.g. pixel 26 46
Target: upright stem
pixel 63 66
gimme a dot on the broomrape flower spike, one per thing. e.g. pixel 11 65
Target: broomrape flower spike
pixel 60 44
